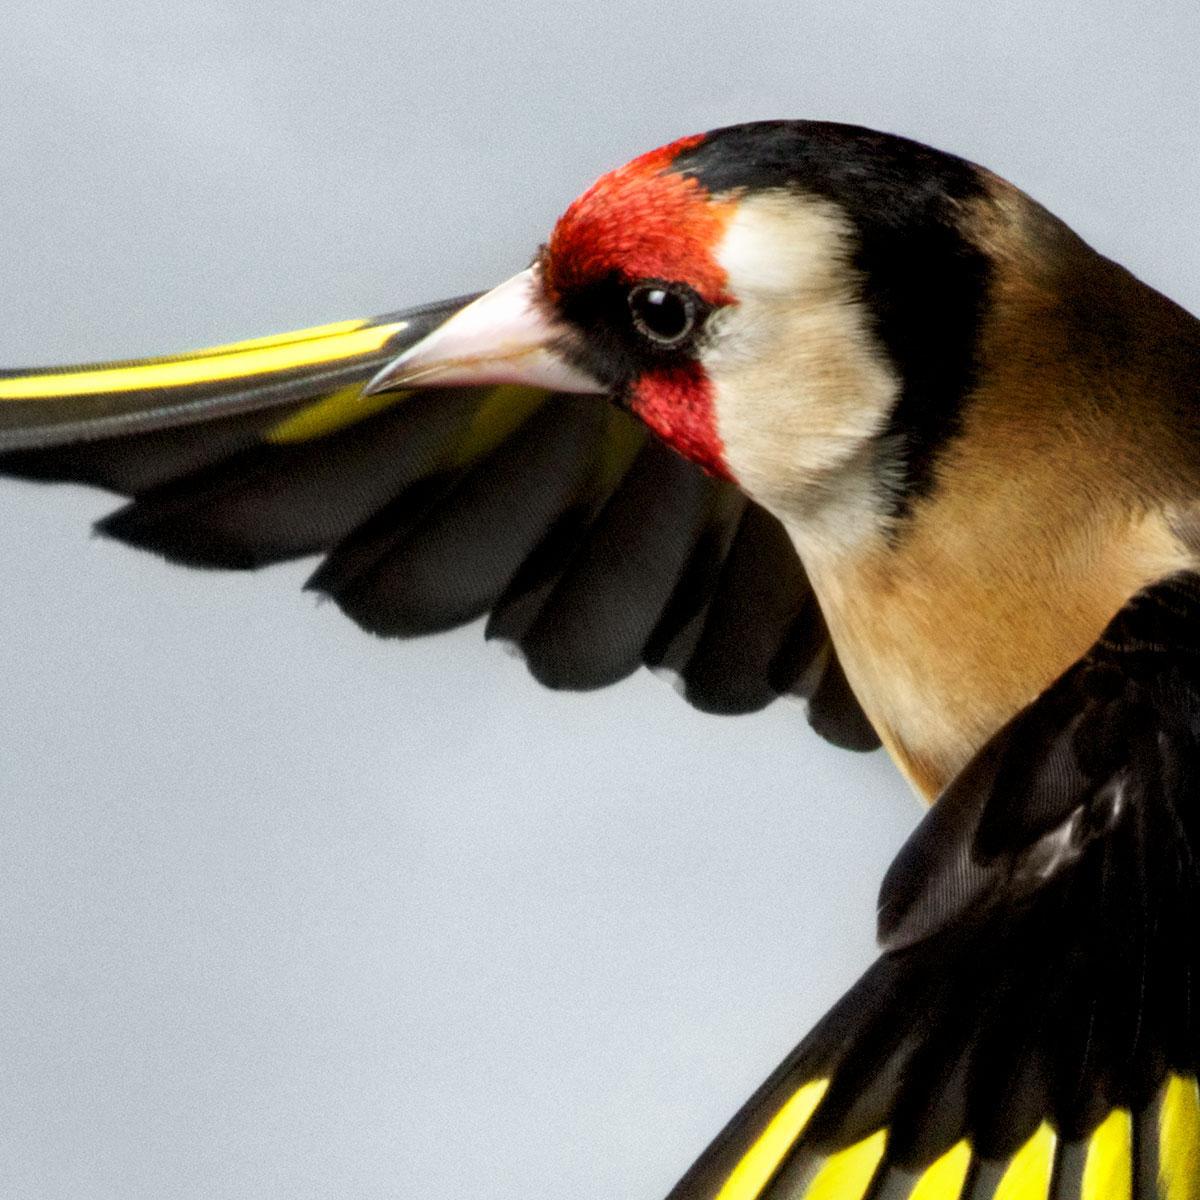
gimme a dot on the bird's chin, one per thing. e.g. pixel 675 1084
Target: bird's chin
pixel 507 336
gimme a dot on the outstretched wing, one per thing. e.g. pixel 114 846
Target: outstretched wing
pixel 593 547
pixel 1031 1031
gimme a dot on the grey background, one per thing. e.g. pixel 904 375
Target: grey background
pixel 289 912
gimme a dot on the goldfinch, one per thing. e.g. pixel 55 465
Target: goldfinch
pixel 795 407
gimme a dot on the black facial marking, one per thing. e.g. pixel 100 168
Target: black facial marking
pixel 923 282
pixel 630 327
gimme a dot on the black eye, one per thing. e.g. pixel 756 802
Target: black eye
pixel 664 313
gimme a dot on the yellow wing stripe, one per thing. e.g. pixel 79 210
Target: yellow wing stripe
pixel 506 407
pixel 281 339
pixel 945 1178
pixel 1179 1140
pixel 848 1174
pixel 261 356
pixel 1108 1170
pixel 337 410
pixel 497 416
pixel 1028 1175
pixel 756 1167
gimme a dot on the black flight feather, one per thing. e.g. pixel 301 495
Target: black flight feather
pixel 1038 967
pixel 593 547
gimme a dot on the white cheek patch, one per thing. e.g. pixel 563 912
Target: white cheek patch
pixel 800 385
pixel 781 243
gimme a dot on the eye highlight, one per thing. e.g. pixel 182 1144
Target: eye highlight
pixel 663 313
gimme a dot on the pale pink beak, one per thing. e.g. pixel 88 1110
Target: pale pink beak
pixel 503 337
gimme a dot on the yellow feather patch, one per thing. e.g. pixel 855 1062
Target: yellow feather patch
pixel 1108 1172
pixel 279 339
pixel 334 412
pixel 756 1167
pixel 1179 1140
pixel 1028 1175
pixel 504 408
pixel 945 1178
pixel 500 413
pixel 260 356
pixel 848 1174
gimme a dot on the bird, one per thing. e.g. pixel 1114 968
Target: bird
pixel 794 408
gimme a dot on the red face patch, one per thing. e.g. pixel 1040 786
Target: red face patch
pixel 677 404
pixel 643 222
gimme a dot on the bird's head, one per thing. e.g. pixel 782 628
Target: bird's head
pixel 792 305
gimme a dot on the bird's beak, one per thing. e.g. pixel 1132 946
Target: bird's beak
pixel 505 336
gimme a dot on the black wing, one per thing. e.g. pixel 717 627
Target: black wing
pixel 1032 1030
pixel 593 547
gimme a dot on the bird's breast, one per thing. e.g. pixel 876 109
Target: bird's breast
pixel 947 635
